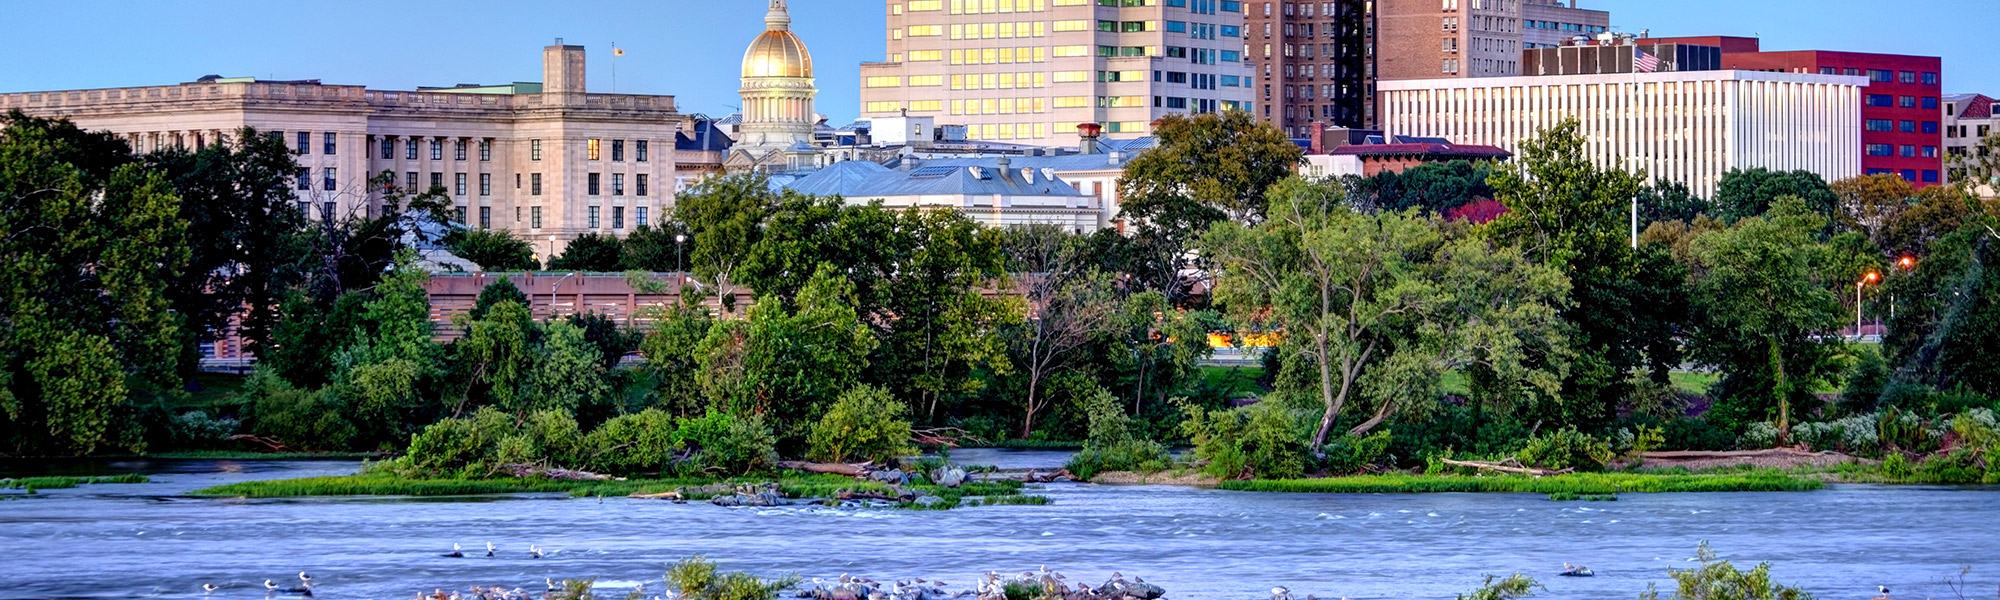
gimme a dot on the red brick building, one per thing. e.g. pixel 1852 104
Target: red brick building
pixel 1900 114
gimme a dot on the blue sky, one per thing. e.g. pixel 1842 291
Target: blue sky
pixel 692 48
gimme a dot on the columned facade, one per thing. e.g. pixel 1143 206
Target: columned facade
pixel 778 93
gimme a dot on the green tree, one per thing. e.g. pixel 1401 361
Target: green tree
pixel 386 374
pixel 1440 187
pixel 654 249
pixel 725 216
pixel 1662 201
pixel 1871 204
pixel 89 246
pixel 590 253
pixel 1747 193
pixel 673 355
pixel 1764 307
pixel 936 328
pixel 1206 168
pixel 788 363
pixel 501 290
pixel 1070 304
pixel 801 232
pixel 496 354
pixel 568 373
pixel 604 333
pixel 1165 345
pixel 492 249
pixel 1383 301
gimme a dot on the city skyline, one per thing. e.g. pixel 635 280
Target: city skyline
pixel 693 51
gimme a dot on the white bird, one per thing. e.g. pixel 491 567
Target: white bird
pixel 208 588
pixel 1883 589
pixel 534 551
pixel 308 579
pixel 1280 593
pixel 489 549
pixel 455 553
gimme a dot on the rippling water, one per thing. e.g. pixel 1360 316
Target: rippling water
pixel 146 540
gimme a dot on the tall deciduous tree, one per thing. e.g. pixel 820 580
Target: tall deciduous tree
pixel 1871 204
pixel 725 215
pixel 590 253
pixel 1745 193
pixel 89 243
pixel 1384 301
pixel 1206 168
pixel 492 249
pixel 1069 304
pixel 788 361
pixel 1766 312
pixel 936 325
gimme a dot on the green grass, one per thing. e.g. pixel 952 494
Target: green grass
pixel 1015 499
pixel 1030 444
pixel 1573 496
pixel 245 455
pixel 1692 382
pixel 1578 484
pixel 216 390
pixel 55 483
pixel 1237 382
pixel 792 485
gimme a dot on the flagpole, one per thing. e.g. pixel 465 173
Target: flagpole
pixel 614 67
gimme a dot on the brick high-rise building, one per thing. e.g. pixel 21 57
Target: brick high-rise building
pixel 1431 39
pixel 1031 71
pixel 1312 63
pixel 1901 132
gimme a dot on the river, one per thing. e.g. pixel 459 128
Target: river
pixel 151 541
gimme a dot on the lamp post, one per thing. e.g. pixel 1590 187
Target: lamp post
pixel 679 240
pixel 552 254
pixel 1906 263
pixel 552 294
pixel 1869 279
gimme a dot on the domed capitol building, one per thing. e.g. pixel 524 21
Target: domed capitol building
pixel 776 133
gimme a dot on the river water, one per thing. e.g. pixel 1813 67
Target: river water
pixel 151 541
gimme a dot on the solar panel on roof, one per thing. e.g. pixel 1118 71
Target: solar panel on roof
pixel 932 172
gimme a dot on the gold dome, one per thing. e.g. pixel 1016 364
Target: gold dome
pixel 777 53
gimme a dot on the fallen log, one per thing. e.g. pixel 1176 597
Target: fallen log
pixel 1503 468
pixel 270 444
pixel 850 470
pixel 1708 455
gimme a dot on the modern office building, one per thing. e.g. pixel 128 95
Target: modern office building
pixel 1033 70
pixel 1434 39
pixel 547 161
pixel 1901 109
pixel 1311 62
pixel 1689 126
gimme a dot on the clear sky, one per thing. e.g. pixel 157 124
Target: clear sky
pixel 693 48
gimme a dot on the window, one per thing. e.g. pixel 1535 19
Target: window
pixel 639 215
pixel 1881 100
pixel 639 147
pixel 1881 150
pixel 411 180
pixel 485 184
pixel 617 217
pixel 617 150
pixel 329 138
pixel 1071 25
pixel 1930 176
pixel 1930 152
pixel 926 55
pixel 1909 151
pixel 1930 79
pixel 437 180
pixel 305 179
pixel 388 149
pixel 884 82
pixel 534 149
pixel 592 223
pixel 926 80
pixel 617 184
pixel 410 149
pixel 305 144
pixel 639 185
pixel 535 184
pixel 887 107
pixel 594 183
pixel 1930 103
pixel 437 149
pixel 458 149
pixel 1906 102
pixel 1930 127
pixel 1909 127
pixel 458 215
pixel 458 184
pixel 485 217
pixel 535 217
pixel 329 179
pixel 926 30
pixel 594 150
pixel 1880 76
pixel 485 150
pixel 1907 77
pixel 1910 175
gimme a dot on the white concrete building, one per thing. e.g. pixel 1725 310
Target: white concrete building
pixel 1690 127
pixel 1030 71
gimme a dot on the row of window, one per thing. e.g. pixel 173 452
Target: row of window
pixel 1884 75
pixel 1903 151
pixel 974 7
pixel 617 217
pixel 1890 125
pixel 329 146
pixel 594 147
pixel 1910 175
pixel 329 178
pixel 1892 101
pixel 640 216
pixel 1556 26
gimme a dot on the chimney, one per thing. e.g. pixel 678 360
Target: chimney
pixel 1087 137
pixel 1004 166
pixel 562 69
pixel 1117 157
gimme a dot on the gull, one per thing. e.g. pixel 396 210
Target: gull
pixel 534 551
pixel 489 549
pixel 308 579
pixel 455 553
pixel 208 588
pixel 1280 593
pixel 1883 589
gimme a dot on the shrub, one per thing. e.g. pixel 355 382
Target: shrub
pixel 1111 446
pixel 643 442
pixel 302 419
pixel 1566 448
pixel 1349 454
pixel 194 430
pixel 1512 588
pixel 1719 579
pixel 1760 434
pixel 1897 467
pixel 747 446
pixel 1958 467
pixel 1262 440
pixel 697 578
pixel 865 424
pixel 446 448
pixel 1855 435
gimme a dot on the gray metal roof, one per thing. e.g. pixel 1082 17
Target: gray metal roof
pixel 1066 163
pixel 863 179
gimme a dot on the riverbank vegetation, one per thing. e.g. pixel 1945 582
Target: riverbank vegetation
pixel 1494 315
pixel 31 484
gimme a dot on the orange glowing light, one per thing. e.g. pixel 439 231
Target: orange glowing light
pixel 1907 262
pixel 1873 276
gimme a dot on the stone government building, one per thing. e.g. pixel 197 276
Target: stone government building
pixel 536 159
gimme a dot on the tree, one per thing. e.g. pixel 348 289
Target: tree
pixel 1438 188
pixel 247 237
pixel 492 249
pixel 865 424
pixel 935 326
pixel 1947 326
pixel 568 373
pixel 1070 303
pixel 496 354
pixel 673 351
pixel 725 216
pixel 1937 212
pixel 1567 214
pixel 1664 200
pixel 387 373
pixel 654 249
pixel 1207 168
pixel 590 253
pixel 1166 346
pixel 1870 204
pixel 604 333
pixel 89 245
pixel 788 362
pixel 1383 300
pixel 1977 172
pixel 1747 193
pixel 501 290
pixel 1764 307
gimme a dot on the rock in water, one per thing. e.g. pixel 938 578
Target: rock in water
pixel 891 476
pixel 928 501
pixel 949 476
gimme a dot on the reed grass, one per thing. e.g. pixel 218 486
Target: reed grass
pixel 1015 499
pixel 1579 484
pixel 55 483
pixel 798 485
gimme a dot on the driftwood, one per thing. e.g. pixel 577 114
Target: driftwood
pixel 853 470
pixel 525 470
pixel 270 444
pixel 948 437
pixel 1508 466
pixel 1704 455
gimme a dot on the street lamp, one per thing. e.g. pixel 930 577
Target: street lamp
pixel 552 295
pixel 1871 277
pixel 1906 263
pixel 680 239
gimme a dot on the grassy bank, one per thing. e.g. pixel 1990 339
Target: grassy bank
pixel 1578 484
pixel 246 455
pixel 55 483
pixel 791 485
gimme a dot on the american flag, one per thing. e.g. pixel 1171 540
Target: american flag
pixel 1643 62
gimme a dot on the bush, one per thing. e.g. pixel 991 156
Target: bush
pixel 1111 446
pixel 865 424
pixel 1566 448
pixel 1719 579
pixel 1897 467
pixel 747 445
pixel 301 419
pixel 643 442
pixel 195 430
pixel 1854 435
pixel 697 578
pixel 1348 455
pixel 1263 441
